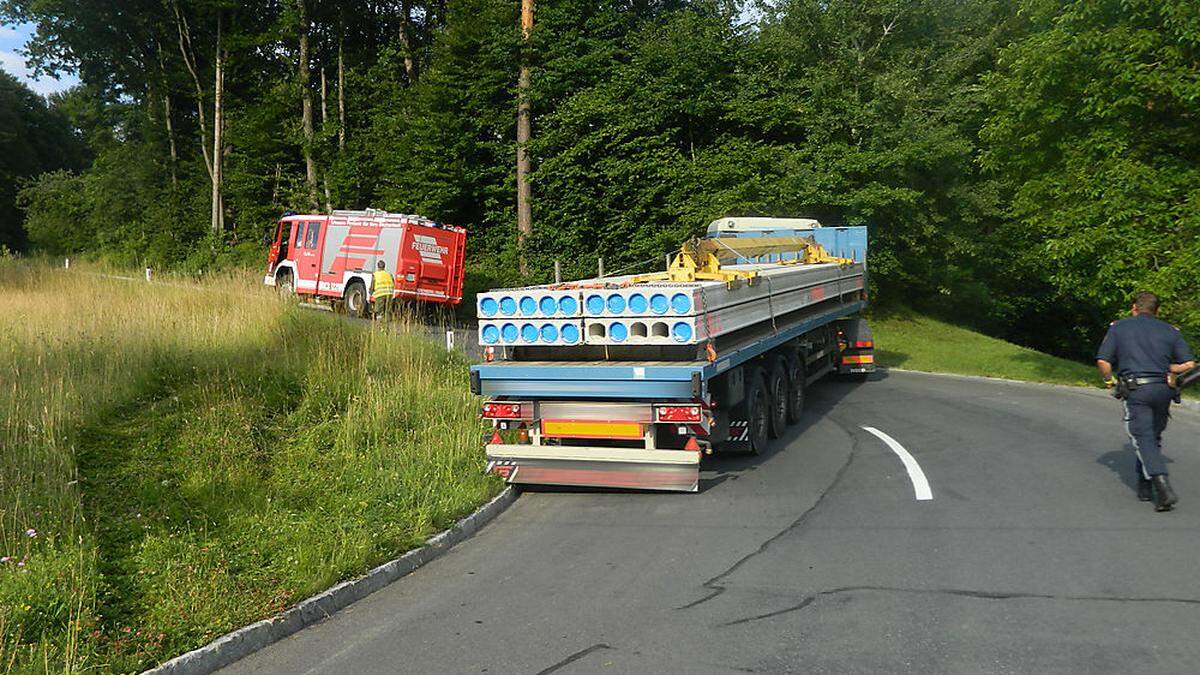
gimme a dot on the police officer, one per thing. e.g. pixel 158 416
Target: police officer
pixel 1147 354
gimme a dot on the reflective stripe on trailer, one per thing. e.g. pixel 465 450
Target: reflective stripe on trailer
pixel 591 429
pixel 739 430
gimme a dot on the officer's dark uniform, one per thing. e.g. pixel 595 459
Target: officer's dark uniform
pixel 1144 347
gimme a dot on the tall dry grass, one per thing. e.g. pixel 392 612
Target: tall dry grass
pixel 179 459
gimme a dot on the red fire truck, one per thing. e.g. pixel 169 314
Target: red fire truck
pixel 333 257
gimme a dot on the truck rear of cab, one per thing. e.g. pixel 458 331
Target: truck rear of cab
pixel 856 348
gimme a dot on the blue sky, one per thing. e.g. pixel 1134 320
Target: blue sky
pixel 12 40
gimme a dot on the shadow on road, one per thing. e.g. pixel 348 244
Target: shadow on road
pixel 822 396
pixel 1121 463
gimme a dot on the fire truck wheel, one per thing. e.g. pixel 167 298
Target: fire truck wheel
pixel 758 404
pixel 284 284
pixel 777 382
pixel 356 300
pixel 795 406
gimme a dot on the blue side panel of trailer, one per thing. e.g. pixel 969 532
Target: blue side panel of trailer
pixel 632 381
pixel 793 331
pixel 542 381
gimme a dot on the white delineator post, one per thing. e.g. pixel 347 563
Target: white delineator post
pixel 148 274
pixel 66 263
pixel 449 339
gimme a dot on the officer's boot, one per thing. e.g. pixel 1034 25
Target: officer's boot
pixel 1145 490
pixel 1164 496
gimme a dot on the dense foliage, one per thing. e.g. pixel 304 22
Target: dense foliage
pixel 1024 164
pixel 35 138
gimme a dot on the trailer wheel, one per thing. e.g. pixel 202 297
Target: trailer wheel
pixel 795 406
pixel 758 404
pixel 356 300
pixel 777 383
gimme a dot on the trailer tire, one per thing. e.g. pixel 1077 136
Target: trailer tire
pixel 758 407
pixel 356 300
pixel 795 407
pixel 778 391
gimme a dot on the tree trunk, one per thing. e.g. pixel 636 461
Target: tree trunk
pixel 324 128
pixel 166 100
pixel 324 96
pixel 166 104
pixel 275 186
pixel 410 64
pixel 189 59
pixel 306 117
pixel 341 84
pixel 218 154
pixel 524 193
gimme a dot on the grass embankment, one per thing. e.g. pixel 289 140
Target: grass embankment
pixel 179 462
pixel 916 342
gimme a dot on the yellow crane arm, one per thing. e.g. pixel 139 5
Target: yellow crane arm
pixel 701 259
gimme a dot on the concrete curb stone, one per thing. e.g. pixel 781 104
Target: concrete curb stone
pixel 1093 391
pixel 249 639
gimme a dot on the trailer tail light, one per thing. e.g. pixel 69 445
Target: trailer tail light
pixel 864 344
pixel 678 413
pixel 505 410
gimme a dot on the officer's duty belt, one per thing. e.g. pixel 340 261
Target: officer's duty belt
pixel 1162 379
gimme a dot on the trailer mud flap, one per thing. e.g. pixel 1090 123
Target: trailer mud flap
pixel 671 470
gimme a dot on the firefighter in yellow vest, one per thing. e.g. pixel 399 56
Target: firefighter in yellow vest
pixel 384 285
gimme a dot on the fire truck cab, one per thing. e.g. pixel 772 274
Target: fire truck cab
pixel 333 257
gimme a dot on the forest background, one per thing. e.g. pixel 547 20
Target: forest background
pixel 1024 165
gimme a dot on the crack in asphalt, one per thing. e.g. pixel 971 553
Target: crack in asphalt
pixel 575 657
pixel 979 595
pixel 713 584
pixel 804 603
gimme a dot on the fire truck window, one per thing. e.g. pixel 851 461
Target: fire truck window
pixel 299 234
pixel 311 240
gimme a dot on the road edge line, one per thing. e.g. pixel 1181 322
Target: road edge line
pixel 916 475
pixel 1095 391
pixel 247 640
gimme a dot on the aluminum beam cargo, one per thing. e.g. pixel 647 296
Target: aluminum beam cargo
pixel 660 313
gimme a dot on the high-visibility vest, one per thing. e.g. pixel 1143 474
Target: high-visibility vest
pixel 384 284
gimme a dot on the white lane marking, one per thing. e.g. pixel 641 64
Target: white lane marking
pixel 920 485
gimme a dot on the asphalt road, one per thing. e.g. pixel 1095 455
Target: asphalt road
pixel 1032 556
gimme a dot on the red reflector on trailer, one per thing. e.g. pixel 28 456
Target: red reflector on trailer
pixel 678 413
pixel 501 410
pixel 692 444
pixel 496 440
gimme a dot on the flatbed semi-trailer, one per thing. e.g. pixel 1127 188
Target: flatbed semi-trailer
pixel 643 416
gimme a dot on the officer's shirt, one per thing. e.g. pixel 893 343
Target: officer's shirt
pixel 1143 346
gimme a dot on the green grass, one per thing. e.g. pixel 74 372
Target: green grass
pixel 908 340
pixel 192 459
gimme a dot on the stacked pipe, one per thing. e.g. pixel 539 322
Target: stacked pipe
pixel 616 311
